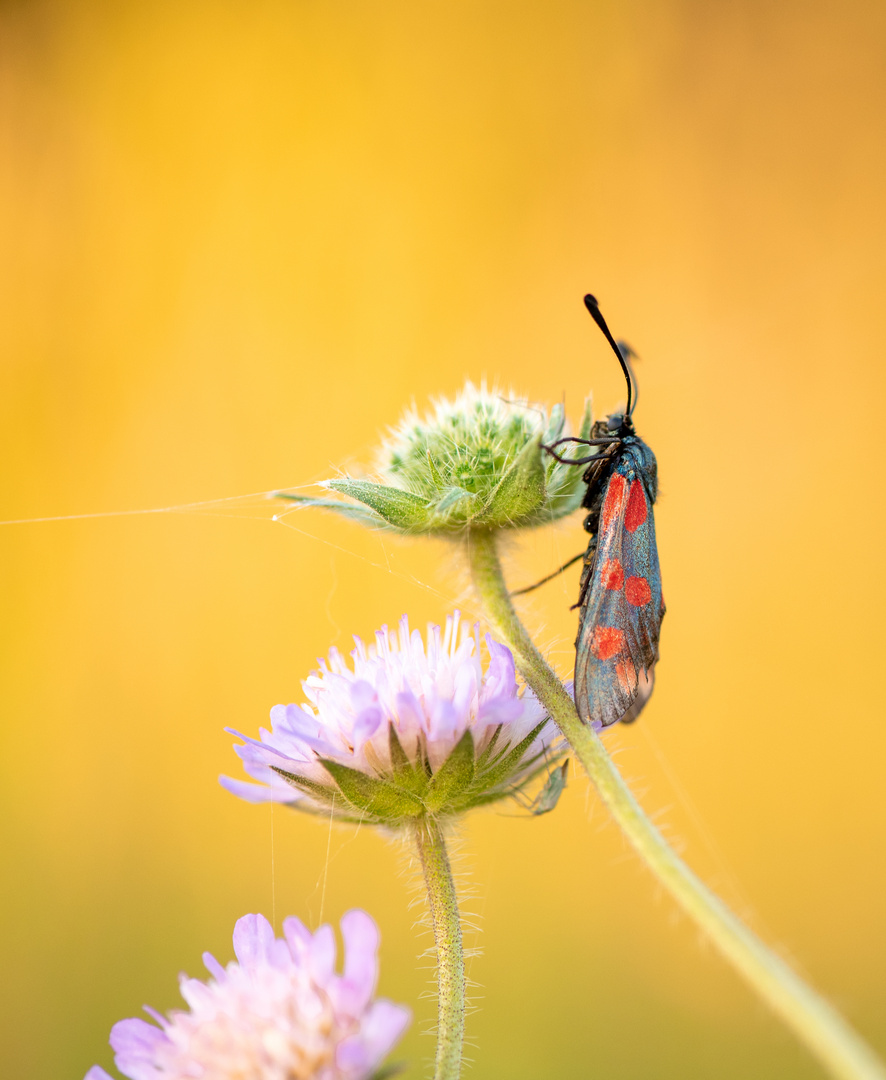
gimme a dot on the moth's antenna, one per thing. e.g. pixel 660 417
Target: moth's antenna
pixel 594 308
pixel 628 353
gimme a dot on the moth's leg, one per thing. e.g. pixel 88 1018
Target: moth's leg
pixel 566 460
pixel 587 574
pixel 550 577
pixel 607 441
pixel 583 442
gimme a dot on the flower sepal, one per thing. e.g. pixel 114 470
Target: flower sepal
pixel 377 799
pixel 450 782
pixel 321 796
pixel 362 514
pixel 463 781
pixel 398 508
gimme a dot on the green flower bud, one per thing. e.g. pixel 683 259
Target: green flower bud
pixel 473 463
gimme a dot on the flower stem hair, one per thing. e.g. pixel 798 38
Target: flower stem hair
pixel 446 922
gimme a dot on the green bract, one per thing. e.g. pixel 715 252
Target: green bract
pixel 410 791
pixel 473 463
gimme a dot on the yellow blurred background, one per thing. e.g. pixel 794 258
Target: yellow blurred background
pixel 236 239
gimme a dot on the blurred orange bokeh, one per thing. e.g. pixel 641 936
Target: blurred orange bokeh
pixel 236 240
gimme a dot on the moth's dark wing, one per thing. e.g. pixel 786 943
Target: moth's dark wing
pixel 642 588
pixel 599 695
pixel 617 644
pixel 644 693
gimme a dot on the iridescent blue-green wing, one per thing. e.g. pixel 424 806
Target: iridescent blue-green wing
pixel 617 645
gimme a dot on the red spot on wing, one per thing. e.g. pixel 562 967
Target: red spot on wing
pixel 607 642
pixel 612 576
pixel 636 512
pixel 615 497
pixel 637 591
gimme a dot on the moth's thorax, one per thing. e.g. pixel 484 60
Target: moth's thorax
pixel 635 461
pixel 629 456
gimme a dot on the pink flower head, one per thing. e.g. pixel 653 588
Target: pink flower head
pixel 379 736
pixel 280 1012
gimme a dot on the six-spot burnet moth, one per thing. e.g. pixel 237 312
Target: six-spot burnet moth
pixel 620 600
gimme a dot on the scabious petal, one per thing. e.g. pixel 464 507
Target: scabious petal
pixel 321 955
pixel 297 935
pixel 279 1011
pixel 380 1030
pixel 253 937
pixel 276 790
pixel 215 969
pixel 430 691
pixel 382 1026
pixel 196 994
pixel 366 725
pixel 498 711
pixel 501 676
pixel 360 936
pixel 352 1055
pixel 136 1045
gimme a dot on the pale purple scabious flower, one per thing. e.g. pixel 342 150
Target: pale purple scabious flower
pixel 279 1013
pixel 407 729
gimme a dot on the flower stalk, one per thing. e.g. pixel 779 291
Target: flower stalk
pixel 443 903
pixel 814 1022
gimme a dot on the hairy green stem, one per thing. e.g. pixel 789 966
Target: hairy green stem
pixel 823 1031
pixel 450 956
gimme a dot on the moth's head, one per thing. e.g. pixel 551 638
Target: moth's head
pixel 620 424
